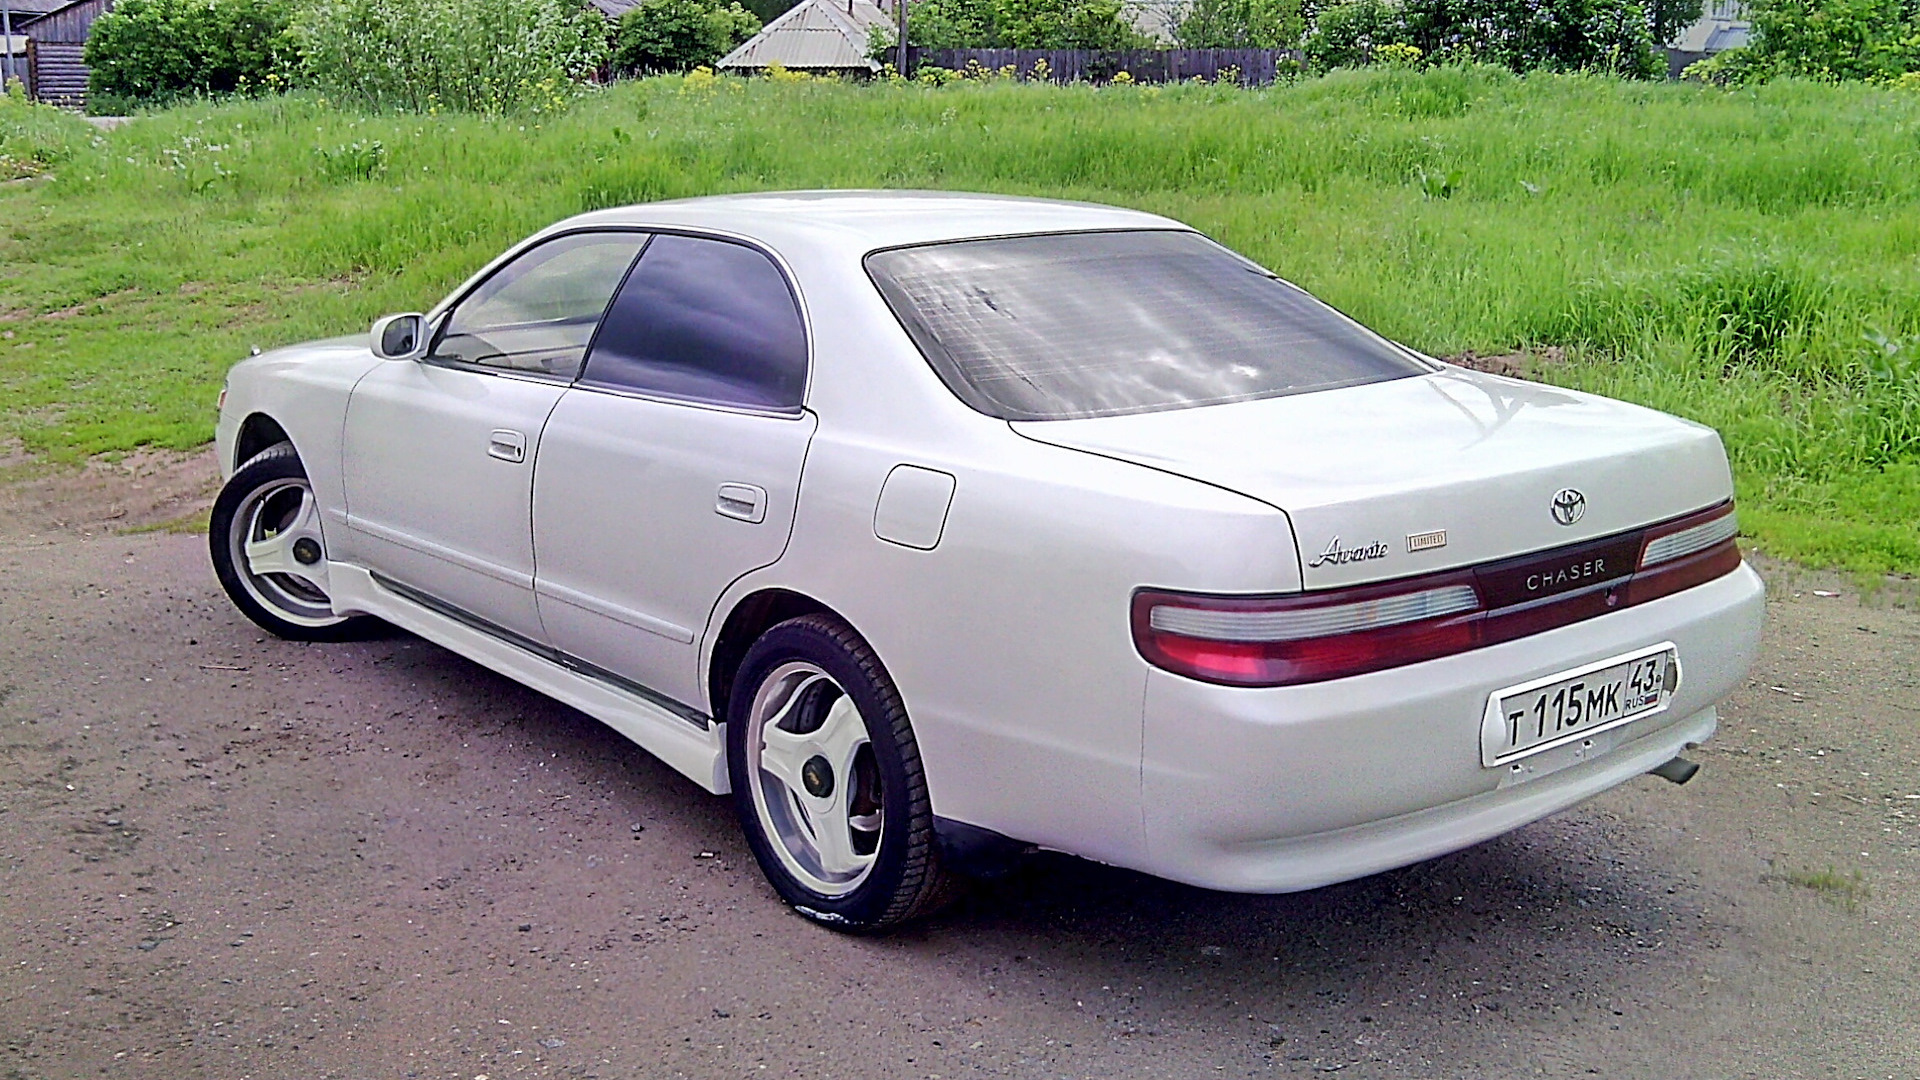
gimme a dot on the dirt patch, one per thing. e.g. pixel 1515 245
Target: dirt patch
pixel 144 490
pixel 226 855
pixel 1515 365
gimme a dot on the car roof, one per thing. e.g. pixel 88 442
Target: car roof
pixel 856 222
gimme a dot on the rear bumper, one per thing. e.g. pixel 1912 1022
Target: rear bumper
pixel 1290 788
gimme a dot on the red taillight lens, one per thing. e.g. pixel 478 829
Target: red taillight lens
pixel 1313 637
pixel 1686 552
pixel 1280 640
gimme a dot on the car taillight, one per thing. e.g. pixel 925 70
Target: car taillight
pixel 1280 640
pixel 1312 637
pixel 1686 552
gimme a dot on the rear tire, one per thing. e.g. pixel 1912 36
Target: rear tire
pixel 827 780
pixel 268 553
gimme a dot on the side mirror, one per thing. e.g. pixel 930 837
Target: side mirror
pixel 400 337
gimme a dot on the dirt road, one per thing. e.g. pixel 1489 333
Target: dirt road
pixel 224 855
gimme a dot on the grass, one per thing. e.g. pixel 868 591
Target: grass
pixel 1847 888
pixel 1750 259
pixel 194 523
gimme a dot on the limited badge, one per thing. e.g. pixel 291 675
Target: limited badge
pixel 1427 541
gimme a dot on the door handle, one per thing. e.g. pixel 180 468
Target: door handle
pixel 745 502
pixel 507 445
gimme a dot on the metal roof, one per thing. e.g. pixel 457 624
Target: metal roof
pixel 24 10
pixel 813 35
pixel 851 223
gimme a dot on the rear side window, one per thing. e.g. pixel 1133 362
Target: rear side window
pixel 1076 325
pixel 703 320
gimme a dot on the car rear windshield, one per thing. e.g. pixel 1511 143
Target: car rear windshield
pixel 1074 325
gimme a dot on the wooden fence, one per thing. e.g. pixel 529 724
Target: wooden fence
pixel 1252 67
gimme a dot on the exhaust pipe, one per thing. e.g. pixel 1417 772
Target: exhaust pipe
pixel 1677 771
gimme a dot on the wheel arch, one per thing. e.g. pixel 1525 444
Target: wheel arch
pixel 257 432
pixel 752 616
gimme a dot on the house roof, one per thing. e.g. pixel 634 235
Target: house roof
pixel 814 34
pixel 24 10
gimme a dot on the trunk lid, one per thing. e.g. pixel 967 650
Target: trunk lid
pixel 1365 472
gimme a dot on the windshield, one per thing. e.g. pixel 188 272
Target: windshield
pixel 1074 325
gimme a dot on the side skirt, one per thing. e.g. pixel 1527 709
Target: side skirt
pixel 694 748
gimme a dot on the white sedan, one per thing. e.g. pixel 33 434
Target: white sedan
pixel 937 527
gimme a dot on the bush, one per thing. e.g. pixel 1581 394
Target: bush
pixel 1345 35
pixel 487 56
pixel 1520 35
pixel 1239 24
pixel 1015 24
pixel 154 51
pixel 1829 40
pixel 1065 24
pixel 679 35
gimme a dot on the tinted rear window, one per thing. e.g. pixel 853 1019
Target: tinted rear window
pixel 1076 325
pixel 704 320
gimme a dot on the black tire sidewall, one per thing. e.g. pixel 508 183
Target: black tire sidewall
pixel 276 463
pixel 813 639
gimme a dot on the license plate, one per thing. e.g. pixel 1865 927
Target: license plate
pixel 1561 708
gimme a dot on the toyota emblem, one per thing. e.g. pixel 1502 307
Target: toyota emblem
pixel 1569 506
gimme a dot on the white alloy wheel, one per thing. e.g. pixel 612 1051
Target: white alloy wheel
pixel 275 537
pixel 268 551
pixel 816 787
pixel 827 780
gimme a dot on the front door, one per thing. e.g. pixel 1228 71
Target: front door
pixel 439 454
pixel 673 466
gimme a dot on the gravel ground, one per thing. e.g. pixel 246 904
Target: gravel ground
pixel 226 855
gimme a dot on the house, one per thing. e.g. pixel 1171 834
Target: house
pixel 17 14
pixel 823 37
pixel 56 42
pixel 1723 25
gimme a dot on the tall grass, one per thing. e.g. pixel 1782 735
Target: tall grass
pixel 1748 259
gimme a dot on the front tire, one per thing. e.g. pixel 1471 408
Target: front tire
pixel 268 553
pixel 827 780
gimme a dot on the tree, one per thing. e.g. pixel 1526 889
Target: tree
pixel 1831 40
pixel 490 56
pixel 1521 35
pixel 679 35
pixel 1667 18
pixel 1239 24
pixel 1016 24
pixel 1345 35
pixel 152 51
pixel 1066 24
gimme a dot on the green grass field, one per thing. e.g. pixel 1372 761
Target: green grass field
pixel 1748 259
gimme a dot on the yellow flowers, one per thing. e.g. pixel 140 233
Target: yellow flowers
pixel 778 72
pixel 1399 54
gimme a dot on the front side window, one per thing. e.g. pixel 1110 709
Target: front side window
pixel 537 313
pixel 1074 325
pixel 706 321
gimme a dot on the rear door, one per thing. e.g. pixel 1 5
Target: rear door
pixel 673 466
pixel 439 453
